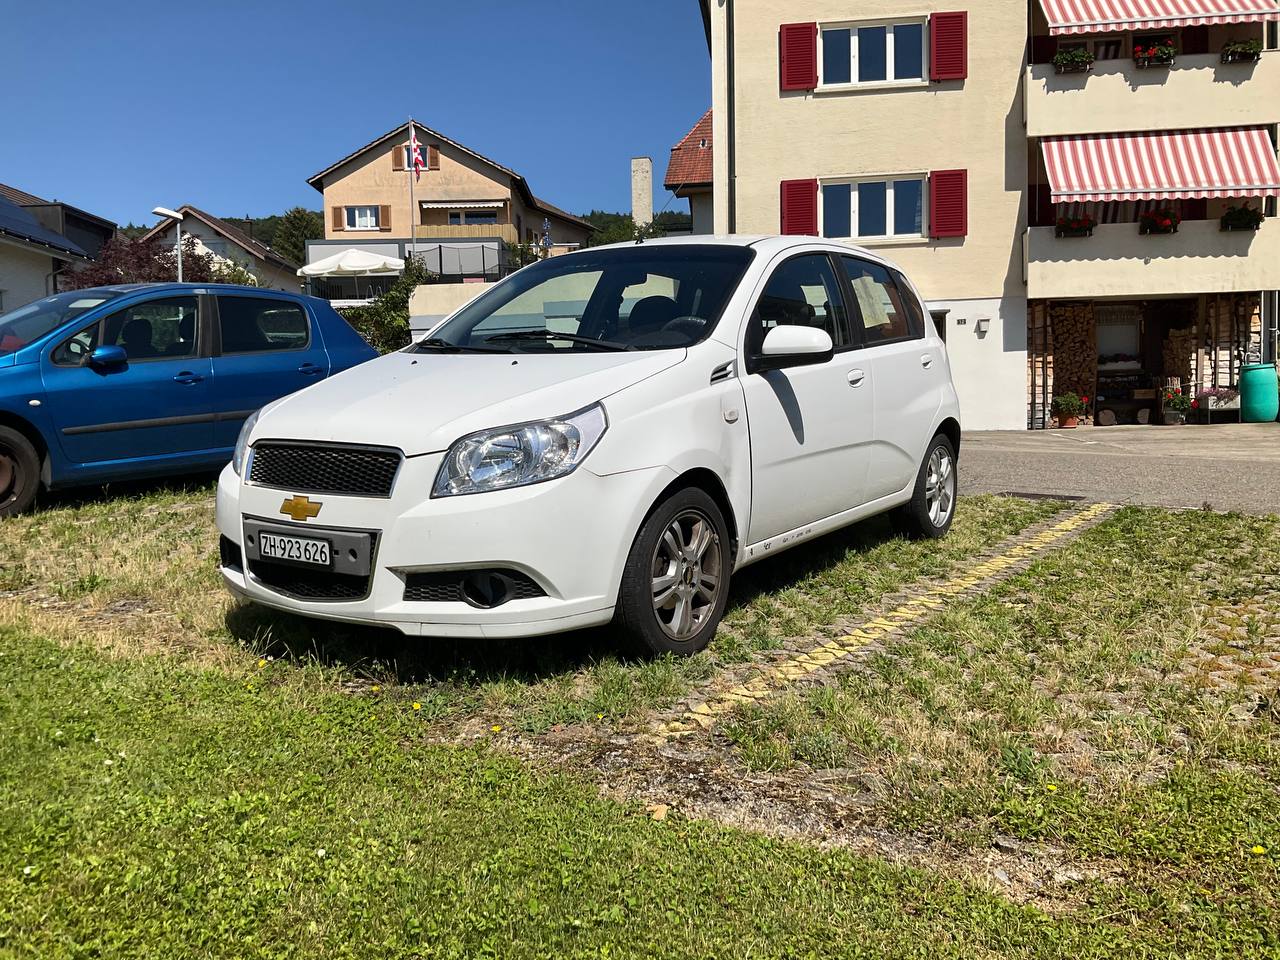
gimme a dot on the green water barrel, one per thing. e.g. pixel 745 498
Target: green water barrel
pixel 1259 400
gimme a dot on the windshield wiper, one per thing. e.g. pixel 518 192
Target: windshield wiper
pixel 444 346
pixel 556 335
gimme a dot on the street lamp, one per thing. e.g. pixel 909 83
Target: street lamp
pixel 177 218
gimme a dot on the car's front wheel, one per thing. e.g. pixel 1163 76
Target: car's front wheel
pixel 19 472
pixel 675 584
pixel 932 507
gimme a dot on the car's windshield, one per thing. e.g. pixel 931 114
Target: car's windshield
pixel 27 324
pixel 654 297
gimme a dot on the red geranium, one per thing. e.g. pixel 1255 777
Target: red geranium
pixel 1195 404
pixel 1166 222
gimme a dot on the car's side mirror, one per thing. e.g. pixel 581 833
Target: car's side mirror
pixel 791 345
pixel 107 356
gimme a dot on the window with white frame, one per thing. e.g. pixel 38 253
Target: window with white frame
pixel 871 209
pixel 863 53
pixel 362 218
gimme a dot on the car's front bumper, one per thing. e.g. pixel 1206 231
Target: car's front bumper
pixel 569 536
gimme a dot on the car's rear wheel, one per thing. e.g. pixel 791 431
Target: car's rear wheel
pixel 19 472
pixel 675 584
pixel 932 507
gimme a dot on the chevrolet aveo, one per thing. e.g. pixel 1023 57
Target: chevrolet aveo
pixel 605 435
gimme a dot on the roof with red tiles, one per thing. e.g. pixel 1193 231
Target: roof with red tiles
pixel 690 163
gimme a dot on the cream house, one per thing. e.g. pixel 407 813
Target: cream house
pixel 947 138
pixel 229 244
pixel 461 215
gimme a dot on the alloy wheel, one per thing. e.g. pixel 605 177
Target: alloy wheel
pixel 686 574
pixel 940 486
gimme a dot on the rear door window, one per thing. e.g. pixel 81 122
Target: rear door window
pixel 887 313
pixel 262 325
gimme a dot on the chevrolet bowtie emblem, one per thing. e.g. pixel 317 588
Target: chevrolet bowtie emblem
pixel 300 508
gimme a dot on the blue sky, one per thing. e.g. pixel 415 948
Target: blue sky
pixel 119 107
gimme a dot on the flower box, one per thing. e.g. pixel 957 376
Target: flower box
pixel 1243 217
pixel 1231 228
pixel 1072 67
pixel 1157 60
pixel 1159 221
pixel 1157 53
pixel 1073 231
pixel 1073 60
pixel 1240 56
pixel 1157 228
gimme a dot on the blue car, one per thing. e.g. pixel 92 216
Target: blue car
pixel 142 380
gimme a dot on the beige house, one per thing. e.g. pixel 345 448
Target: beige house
pixel 231 244
pixel 461 215
pixel 948 139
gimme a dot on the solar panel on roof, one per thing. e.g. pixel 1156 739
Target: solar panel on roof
pixel 17 222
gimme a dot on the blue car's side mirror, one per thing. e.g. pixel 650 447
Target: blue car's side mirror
pixel 108 355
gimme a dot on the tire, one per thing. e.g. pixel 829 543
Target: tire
pixel 680 614
pixel 928 515
pixel 19 472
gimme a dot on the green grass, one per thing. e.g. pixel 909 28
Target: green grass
pixel 143 566
pixel 147 809
pixel 1058 709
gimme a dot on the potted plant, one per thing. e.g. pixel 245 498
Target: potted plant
pixel 1164 220
pixel 1176 405
pixel 1154 53
pixel 1241 51
pixel 1243 217
pixel 1069 408
pixel 1073 60
pixel 1081 226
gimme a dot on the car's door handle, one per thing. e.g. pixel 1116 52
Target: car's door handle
pixel 856 377
pixel 926 360
pixel 186 376
pixel 310 369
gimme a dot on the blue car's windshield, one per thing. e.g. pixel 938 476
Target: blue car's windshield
pixel 27 324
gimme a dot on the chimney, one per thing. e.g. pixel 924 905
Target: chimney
pixel 642 191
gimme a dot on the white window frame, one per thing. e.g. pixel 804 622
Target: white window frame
pixel 921 20
pixel 888 179
pixel 353 218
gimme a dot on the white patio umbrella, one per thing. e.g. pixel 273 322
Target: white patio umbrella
pixel 353 263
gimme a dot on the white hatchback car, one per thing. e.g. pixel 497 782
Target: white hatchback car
pixel 603 435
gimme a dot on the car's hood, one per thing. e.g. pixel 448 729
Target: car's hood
pixel 423 402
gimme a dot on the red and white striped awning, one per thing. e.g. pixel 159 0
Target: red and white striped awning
pixel 1103 16
pixel 1168 165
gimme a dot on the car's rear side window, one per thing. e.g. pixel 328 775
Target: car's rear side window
pixel 262 325
pixel 888 313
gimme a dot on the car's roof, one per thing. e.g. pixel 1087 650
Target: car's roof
pixel 765 243
pixel 122 288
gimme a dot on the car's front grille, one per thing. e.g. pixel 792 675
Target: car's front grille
pixel 327 468
pixel 480 588
pixel 304 584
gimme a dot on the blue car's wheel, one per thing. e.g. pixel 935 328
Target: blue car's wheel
pixel 19 472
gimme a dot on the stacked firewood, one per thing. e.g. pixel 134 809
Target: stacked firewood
pixel 1179 353
pixel 1075 350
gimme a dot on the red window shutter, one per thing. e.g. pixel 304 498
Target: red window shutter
pixel 800 208
pixel 948 203
pixel 949 46
pixel 798 55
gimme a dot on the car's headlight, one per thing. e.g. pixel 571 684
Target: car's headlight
pixel 519 455
pixel 242 444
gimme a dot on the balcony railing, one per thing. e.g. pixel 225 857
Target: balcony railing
pixel 501 231
pixel 1118 261
pixel 1117 96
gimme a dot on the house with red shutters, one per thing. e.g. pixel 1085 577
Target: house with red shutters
pixel 1080 188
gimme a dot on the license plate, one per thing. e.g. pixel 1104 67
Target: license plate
pixel 295 549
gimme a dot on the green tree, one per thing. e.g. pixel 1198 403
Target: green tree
pixel 385 322
pixel 618 228
pixel 297 227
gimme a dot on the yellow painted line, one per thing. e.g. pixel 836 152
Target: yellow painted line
pixel 703 715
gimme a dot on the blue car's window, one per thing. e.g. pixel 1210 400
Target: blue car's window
pixel 254 325
pixel 155 329
pixel 35 320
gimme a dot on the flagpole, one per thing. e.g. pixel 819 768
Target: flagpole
pixel 413 203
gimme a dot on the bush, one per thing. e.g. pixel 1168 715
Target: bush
pixel 385 322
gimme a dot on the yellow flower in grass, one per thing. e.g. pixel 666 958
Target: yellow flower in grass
pixel 1052 787
pixel 496 728
pixel 417 705
pixel 375 688
pixel 261 664
pixel 1257 849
